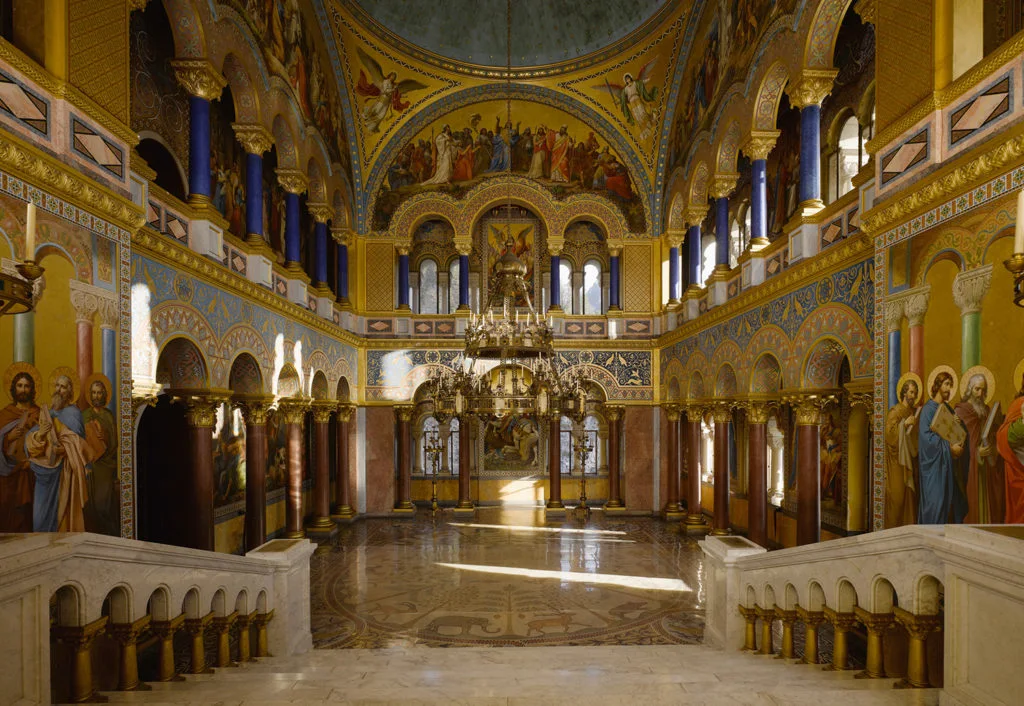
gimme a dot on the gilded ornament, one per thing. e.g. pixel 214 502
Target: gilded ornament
pixel 614 412
pixel 293 409
pixel 696 214
pixel 722 185
pixel 320 212
pixel 322 410
pixel 292 180
pixel 918 626
pixel 812 87
pixel 199 78
pixel 761 143
pixel 255 139
pixel 694 413
pixel 757 412
pixel 345 412
pixel 808 406
pixel 721 412
pixel 255 408
pixel 341 235
pixel 404 412
pixel 868 11
pixel 675 238
pixel 671 412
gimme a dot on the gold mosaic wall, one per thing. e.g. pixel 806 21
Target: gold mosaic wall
pixel 98 52
pixel 380 273
pixel 904 71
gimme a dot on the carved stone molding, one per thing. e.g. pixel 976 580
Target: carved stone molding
pixel 970 287
pixel 893 315
pixel 109 313
pixel 916 304
pixel 85 304
pixel 721 412
pixel 322 410
pixel 199 78
pixel 255 139
pixel 341 236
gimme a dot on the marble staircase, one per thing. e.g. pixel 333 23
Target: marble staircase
pixel 595 676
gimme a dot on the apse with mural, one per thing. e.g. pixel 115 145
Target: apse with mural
pixel 59 429
pixel 953 432
pixel 728 36
pixel 478 142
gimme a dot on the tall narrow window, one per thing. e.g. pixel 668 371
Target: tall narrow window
pixel 592 288
pixel 565 434
pixel 565 285
pixel 453 286
pixel 428 287
pixel 453 446
pixel 430 431
pixel 709 247
pixel 848 157
pixel 590 428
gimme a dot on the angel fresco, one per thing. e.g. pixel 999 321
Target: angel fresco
pixel 382 94
pixel 632 96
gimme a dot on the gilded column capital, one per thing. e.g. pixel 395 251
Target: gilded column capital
pixel 671 411
pixel 694 413
pixel 340 235
pixel 840 621
pixel 786 616
pixel 292 180
pixel 874 622
pixel 615 247
pixel 810 618
pixel 614 412
pixel 165 629
pixel 223 623
pixel 748 613
pixel 893 315
pixel 293 409
pixel 812 87
pixel 463 246
pixel 134 5
pixel 200 405
pixel 322 410
pixel 918 626
pixel 345 412
pixel 695 214
pixel 675 238
pixel 761 143
pixel 868 11
pixel 860 393
pixel 109 313
pixel 80 637
pixel 721 411
pixel 404 412
pixel 970 287
pixel 808 406
pixel 320 212
pixel 765 614
pixel 254 138
pixel 199 78
pixel 722 185
pixel 916 304
pixel 403 248
pixel 758 411
pixel 556 245
pixel 255 408
pixel 196 626
pixel 128 633
pixel 261 619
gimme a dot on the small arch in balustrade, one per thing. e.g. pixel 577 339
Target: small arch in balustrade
pixel 159 604
pixel 883 596
pixel 261 602
pixel 769 597
pixel 928 596
pixel 67 606
pixel 846 596
pixel 218 606
pixel 190 604
pixel 791 599
pixel 815 597
pixel 751 599
pixel 242 602
pixel 118 605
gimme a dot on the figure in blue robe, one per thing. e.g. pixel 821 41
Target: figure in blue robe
pixel 501 147
pixel 942 495
pixel 46 497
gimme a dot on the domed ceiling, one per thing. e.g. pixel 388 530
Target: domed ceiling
pixel 544 32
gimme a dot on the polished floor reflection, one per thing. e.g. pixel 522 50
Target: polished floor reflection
pixel 505 578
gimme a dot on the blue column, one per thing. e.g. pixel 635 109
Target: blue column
pixel 556 289
pixel 810 153
pixel 693 241
pixel 463 281
pixel 759 199
pixel 199 148
pixel 109 342
pixel 403 280
pixel 342 273
pixel 320 233
pixel 722 231
pixel 292 251
pixel 673 274
pixel 895 365
pixel 613 294
pixel 254 195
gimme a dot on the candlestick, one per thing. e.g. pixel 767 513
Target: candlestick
pixel 1018 234
pixel 30 232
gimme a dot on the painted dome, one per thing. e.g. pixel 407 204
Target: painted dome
pixel 544 32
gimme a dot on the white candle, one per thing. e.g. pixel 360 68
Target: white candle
pixel 1018 235
pixel 30 232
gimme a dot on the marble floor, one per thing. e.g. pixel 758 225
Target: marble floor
pixel 506 578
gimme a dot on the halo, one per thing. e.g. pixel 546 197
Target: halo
pixel 76 383
pixel 917 379
pixel 14 368
pixel 1018 377
pixel 101 379
pixel 989 379
pixel 943 369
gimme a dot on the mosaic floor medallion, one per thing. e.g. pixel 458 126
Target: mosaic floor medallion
pixel 505 578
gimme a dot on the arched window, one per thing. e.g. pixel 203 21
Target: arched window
pixel 431 430
pixel 428 286
pixel 590 429
pixel 453 446
pixel 592 288
pixel 453 286
pixel 739 233
pixel 849 156
pixel 565 434
pixel 565 285
pixel 709 248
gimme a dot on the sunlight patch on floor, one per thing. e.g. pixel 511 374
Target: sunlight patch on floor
pixel 643 582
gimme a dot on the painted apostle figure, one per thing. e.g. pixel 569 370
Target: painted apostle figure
pixel 943 466
pixel 633 95
pixel 985 480
pixel 382 94
pixel 901 458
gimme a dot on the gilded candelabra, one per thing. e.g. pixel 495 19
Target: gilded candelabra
pixel 433 448
pixel 582 446
pixel 1016 267
pixel 16 295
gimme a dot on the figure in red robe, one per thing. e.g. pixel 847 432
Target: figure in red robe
pixel 1010 442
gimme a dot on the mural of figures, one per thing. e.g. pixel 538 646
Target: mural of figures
pixel 831 456
pixel 633 96
pixel 277 451
pixel 229 457
pixel 942 443
pixel 291 51
pixel 1010 443
pixel 475 143
pixel 783 168
pixel 981 418
pixel 901 433
pixel 494 230
pixel 227 160
pixel 511 443
pixel 382 94
pixel 59 436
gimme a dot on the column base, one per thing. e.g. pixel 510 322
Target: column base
pixel 344 303
pixel 405 510
pixel 556 309
pixel 343 515
pixel 617 509
pixel 322 528
pixel 613 309
pixel 464 510
pixel 720 532
pixel 695 524
pixel 199 200
pixel 463 307
pixel 555 512
pixel 672 512
pixel 403 307
pixel 295 534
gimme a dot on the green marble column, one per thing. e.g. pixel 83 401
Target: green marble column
pixel 25 338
